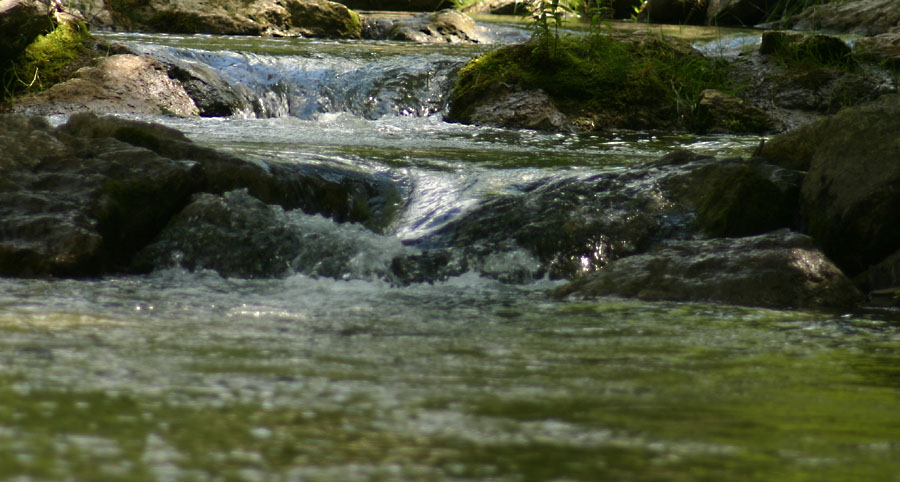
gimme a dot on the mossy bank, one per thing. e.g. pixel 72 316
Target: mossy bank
pixel 631 81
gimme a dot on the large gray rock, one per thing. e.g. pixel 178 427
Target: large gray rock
pixel 782 269
pixel 850 199
pixel 124 84
pixel 445 26
pixel 883 49
pixel 531 109
pixel 677 12
pixel 82 199
pixel 21 21
pixel 290 18
pixel 578 224
pixel 737 12
pixel 867 17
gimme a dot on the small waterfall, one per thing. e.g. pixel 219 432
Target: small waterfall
pixel 306 84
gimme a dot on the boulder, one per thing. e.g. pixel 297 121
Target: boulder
pixel 746 13
pixel 124 84
pixel 616 81
pixel 82 199
pixel 73 206
pixel 498 7
pixel 867 17
pixel 718 112
pixel 883 49
pixel 445 26
pixel 794 47
pixel 782 269
pixel 531 109
pixel 676 12
pixel 850 198
pixel 578 224
pixel 398 5
pixel 21 21
pixel 238 235
pixel 289 18
pixel 885 275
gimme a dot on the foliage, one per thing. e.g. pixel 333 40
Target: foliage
pixel 50 59
pixel 634 81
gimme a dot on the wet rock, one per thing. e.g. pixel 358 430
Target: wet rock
pixel 598 83
pixel 882 49
pixel 849 197
pixel 290 18
pixel 579 224
pixel 21 21
pixel 677 12
pixel 125 84
pixel 718 112
pixel 73 206
pixel 867 17
pixel 850 201
pixel 238 235
pixel 782 269
pixel 82 199
pixel 882 276
pixel 797 78
pixel 531 109
pixel 737 12
pixel 445 26
pixel 794 47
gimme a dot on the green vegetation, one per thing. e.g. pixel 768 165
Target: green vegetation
pixel 50 59
pixel 630 81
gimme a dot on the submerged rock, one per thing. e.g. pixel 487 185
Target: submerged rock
pixel 850 199
pixel 82 199
pixel 782 269
pixel 445 26
pixel 123 84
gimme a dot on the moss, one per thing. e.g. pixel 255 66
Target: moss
pixel 632 81
pixel 50 59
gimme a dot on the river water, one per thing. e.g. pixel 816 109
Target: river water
pixel 181 375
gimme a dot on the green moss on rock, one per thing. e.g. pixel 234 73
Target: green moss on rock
pixel 629 81
pixel 50 59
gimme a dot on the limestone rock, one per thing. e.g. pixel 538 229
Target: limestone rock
pixel 531 109
pixel 850 199
pixel 867 17
pixel 84 198
pixel 306 18
pixel 883 49
pixel 445 26
pixel 21 21
pixel 126 84
pixel 718 112
pixel 781 269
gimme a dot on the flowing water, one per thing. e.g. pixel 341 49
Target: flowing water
pixel 181 375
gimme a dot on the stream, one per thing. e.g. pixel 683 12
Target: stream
pixel 179 375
